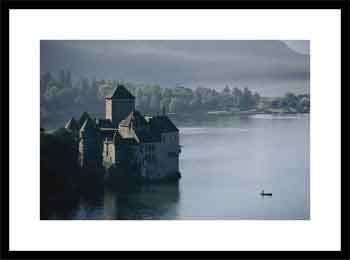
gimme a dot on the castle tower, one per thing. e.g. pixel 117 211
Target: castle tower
pixel 119 105
pixel 90 145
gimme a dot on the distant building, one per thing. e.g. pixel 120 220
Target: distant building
pixel 151 144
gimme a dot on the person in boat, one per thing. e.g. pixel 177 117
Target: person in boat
pixel 265 194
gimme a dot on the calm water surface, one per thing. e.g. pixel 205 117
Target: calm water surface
pixel 225 163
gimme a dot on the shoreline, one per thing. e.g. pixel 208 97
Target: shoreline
pixel 207 115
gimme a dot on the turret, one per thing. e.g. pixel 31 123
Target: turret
pixel 82 119
pixel 73 126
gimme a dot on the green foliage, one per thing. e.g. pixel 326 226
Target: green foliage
pixel 59 149
pixel 291 103
pixel 62 97
pixel 58 162
pixel 107 164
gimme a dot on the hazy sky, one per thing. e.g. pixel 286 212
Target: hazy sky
pixel 270 67
pixel 302 47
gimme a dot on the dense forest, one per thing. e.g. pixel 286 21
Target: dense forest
pixel 63 97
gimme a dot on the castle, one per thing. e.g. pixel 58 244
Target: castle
pixel 149 143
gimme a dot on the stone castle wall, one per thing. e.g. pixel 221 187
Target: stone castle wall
pixel 109 152
pixel 90 151
pixel 160 159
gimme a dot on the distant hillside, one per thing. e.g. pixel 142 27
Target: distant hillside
pixel 269 67
pixel 62 97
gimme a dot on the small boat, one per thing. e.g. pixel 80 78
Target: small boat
pixel 263 193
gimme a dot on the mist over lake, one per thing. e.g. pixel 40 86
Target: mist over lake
pixel 225 163
pixel 270 67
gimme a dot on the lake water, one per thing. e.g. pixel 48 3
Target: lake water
pixel 225 163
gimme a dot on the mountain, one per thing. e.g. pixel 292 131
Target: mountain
pixel 270 67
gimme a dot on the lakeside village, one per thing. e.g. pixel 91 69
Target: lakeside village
pixel 124 146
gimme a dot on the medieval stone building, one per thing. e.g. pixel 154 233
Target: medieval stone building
pixel 151 144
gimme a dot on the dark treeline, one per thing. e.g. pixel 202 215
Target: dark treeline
pixel 63 97
pixel 62 181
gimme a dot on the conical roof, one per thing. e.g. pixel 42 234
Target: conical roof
pixel 89 125
pixel 72 125
pixel 121 93
pixel 83 118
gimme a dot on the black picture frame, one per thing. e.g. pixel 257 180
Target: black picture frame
pixel 342 5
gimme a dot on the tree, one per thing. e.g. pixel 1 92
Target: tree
pixel 164 104
pixel 85 83
pixel 155 102
pixel 195 103
pixel 138 100
pixel 256 99
pixel 163 110
pixel 185 94
pixel 145 100
pixel 246 99
pixel 167 93
pixel 51 93
pixel 58 164
pixel 62 97
pixel 61 77
pixel 226 99
pixel 304 105
pixel 45 80
pixel 68 80
pixel 291 100
pixel 237 97
pixel 175 105
pixel 105 90
pixel 226 91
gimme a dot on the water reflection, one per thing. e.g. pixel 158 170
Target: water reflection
pixel 224 167
pixel 144 202
pixel 58 207
pixel 149 201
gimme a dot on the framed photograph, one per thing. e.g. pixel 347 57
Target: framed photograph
pixel 171 129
